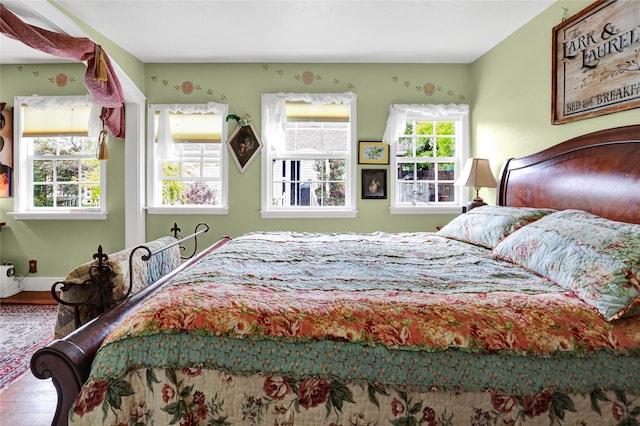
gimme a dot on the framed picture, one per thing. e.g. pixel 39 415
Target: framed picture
pixel 374 183
pixel 373 153
pixel 244 145
pixel 6 150
pixel 595 62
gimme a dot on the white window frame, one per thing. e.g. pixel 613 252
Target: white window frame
pixel 23 167
pixel 154 161
pixel 273 133
pixel 399 114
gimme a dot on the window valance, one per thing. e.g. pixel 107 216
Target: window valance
pixel 166 136
pixel 398 113
pixel 64 114
pixel 274 112
pixel 100 78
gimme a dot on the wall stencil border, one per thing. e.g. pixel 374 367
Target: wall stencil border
pixel 59 79
pixel 306 76
pixel 186 87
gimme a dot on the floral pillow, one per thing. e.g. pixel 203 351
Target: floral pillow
pixel 487 225
pixel 596 258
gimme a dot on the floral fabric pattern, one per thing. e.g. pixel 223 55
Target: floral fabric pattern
pixel 199 397
pixel 374 329
pixel 488 225
pixel 595 258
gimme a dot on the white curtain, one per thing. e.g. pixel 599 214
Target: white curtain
pixel 44 102
pixel 398 113
pixel 166 144
pixel 274 115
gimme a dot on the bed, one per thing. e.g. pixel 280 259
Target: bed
pixel 522 313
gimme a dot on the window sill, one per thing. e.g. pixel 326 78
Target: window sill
pixel 62 215
pixel 307 214
pixel 426 210
pixel 188 210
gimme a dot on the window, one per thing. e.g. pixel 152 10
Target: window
pixel 307 165
pixel 58 174
pixel 429 148
pixel 187 158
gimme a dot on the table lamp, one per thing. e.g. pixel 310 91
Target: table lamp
pixel 476 173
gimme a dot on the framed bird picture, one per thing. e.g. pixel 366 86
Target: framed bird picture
pixel 373 152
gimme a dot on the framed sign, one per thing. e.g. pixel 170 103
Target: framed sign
pixel 596 61
pixel 244 145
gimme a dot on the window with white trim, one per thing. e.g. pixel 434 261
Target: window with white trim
pixel 429 146
pixel 307 164
pixel 187 158
pixel 58 174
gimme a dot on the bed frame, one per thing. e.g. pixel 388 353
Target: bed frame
pixel 99 286
pixel 67 361
pixel 597 172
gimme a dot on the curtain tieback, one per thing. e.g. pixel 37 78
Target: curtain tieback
pixel 100 65
pixel 103 150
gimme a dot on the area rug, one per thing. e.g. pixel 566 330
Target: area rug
pixel 23 330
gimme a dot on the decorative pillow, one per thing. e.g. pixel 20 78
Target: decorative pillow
pixel 65 322
pixel 144 274
pixel 487 225
pixel 596 258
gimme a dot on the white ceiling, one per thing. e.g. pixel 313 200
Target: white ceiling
pixel 183 31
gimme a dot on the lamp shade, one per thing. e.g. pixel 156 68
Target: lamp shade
pixel 476 173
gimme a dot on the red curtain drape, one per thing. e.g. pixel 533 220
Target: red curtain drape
pixel 100 79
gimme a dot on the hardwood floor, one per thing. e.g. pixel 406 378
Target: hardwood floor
pixel 31 298
pixel 29 401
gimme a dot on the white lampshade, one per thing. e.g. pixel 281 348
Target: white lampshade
pixel 476 173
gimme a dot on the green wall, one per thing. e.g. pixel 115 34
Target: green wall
pixel 508 89
pixel 240 86
pixel 58 245
pixel 512 94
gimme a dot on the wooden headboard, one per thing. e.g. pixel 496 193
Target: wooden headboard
pixel 598 172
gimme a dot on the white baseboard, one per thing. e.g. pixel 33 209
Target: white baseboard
pixel 37 283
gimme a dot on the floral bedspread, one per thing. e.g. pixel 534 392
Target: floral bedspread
pixel 315 329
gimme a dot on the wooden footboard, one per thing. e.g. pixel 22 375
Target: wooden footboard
pixel 67 361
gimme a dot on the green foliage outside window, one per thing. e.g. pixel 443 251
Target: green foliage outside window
pixel 332 191
pixel 424 146
pixel 176 192
pixel 59 179
pixel 445 146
